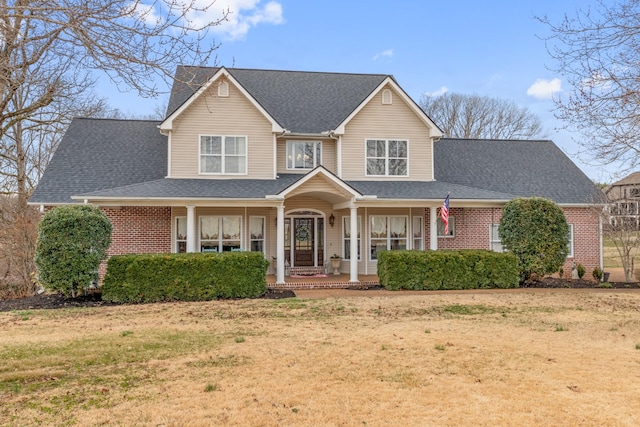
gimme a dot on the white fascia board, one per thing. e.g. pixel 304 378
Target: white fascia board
pixel 167 124
pixel 435 130
pixel 161 201
pixel 320 171
pixel 425 203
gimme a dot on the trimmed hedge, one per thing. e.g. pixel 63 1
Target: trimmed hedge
pixel 447 269
pixel 185 277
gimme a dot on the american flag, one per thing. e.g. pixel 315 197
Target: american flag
pixel 444 215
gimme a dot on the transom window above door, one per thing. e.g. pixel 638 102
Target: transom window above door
pixel 303 154
pixel 220 154
pixel 386 157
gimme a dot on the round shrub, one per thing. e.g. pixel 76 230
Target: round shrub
pixel 72 241
pixel 536 231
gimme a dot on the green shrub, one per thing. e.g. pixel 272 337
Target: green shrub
pixel 597 274
pixel 445 269
pixel 580 270
pixel 536 231
pixel 185 277
pixel 72 241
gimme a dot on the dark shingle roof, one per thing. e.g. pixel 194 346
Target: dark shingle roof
pixel 171 188
pixel 520 168
pixel 96 154
pixel 301 102
pixel 201 188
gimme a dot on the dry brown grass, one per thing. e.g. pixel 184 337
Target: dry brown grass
pixel 526 357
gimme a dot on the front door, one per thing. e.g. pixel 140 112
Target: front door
pixel 304 240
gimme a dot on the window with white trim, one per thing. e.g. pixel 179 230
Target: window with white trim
pixel 418 231
pixel 303 154
pixel 386 157
pixel 220 233
pixel 570 255
pixel 256 233
pixel 452 227
pixel 222 154
pixel 346 237
pixel 181 234
pixel 387 233
pixel 495 242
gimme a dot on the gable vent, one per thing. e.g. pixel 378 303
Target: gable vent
pixel 223 89
pixel 387 98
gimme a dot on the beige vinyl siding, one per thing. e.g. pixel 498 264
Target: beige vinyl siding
pixel 234 115
pixel 395 121
pixel 328 155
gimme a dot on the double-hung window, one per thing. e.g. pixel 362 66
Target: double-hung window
pixel 181 234
pixel 220 233
pixel 303 154
pixel 452 227
pixel 417 229
pixel 387 233
pixel 220 154
pixel 386 157
pixel 346 236
pixel 256 233
pixel 494 238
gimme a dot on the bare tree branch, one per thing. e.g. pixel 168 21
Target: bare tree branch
pixel 474 116
pixel 598 50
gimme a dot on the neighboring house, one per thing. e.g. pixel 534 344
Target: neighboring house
pixel 301 166
pixel 624 198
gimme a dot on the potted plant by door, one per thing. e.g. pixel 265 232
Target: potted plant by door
pixel 335 263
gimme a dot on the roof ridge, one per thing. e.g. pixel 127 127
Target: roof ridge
pixel 286 71
pixel 496 139
pixel 117 119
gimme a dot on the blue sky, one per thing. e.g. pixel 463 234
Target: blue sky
pixel 487 48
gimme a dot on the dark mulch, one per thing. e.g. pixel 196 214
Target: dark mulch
pixel 53 301
pixel 554 282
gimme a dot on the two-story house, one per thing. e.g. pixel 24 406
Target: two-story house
pixel 302 166
pixel 623 198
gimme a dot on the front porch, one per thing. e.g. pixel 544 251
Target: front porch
pixel 330 281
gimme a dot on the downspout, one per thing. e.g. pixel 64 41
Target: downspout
pixel 600 238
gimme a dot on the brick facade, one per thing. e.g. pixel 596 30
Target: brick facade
pixel 472 232
pixel 148 230
pixel 138 230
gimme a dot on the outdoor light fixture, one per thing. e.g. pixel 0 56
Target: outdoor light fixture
pixel 332 220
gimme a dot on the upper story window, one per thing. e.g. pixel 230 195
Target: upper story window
pixel 303 154
pixel 220 154
pixel 387 157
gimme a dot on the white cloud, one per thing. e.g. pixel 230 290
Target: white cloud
pixel 242 16
pixel 544 89
pixel 437 93
pixel 385 53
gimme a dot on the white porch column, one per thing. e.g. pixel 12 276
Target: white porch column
pixel 191 229
pixel 353 242
pixel 280 245
pixel 433 228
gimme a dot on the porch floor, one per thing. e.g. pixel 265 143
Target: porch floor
pixel 330 282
